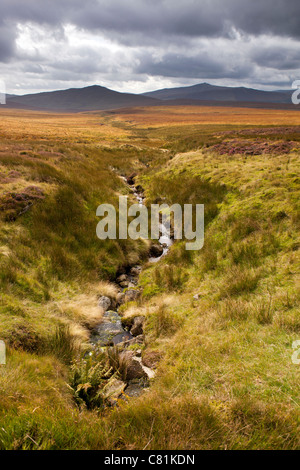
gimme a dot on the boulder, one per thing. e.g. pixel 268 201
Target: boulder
pixel 134 390
pixel 114 389
pixel 122 278
pixel 110 327
pixel 134 367
pixel 137 327
pixel 156 250
pixel 130 179
pixel 149 372
pixel 135 271
pixel 124 284
pixel 104 302
pixel 131 295
pixel 122 338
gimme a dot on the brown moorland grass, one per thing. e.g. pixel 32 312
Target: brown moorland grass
pixel 60 126
pixel 182 115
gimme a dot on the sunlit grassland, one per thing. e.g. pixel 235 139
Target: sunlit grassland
pixel 225 379
pixel 169 116
pixel 233 346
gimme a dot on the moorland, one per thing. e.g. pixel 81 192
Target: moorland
pixel 219 322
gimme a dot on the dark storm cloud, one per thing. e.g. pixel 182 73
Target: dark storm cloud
pixel 198 66
pixel 192 17
pixel 7 42
pixel 166 17
pixel 280 58
pixel 167 38
pixel 277 17
pixel 43 12
pixel 157 17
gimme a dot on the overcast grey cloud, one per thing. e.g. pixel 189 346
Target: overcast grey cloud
pixel 139 45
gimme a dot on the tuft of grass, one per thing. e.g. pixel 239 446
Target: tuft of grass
pixel 239 280
pixel 117 363
pixel 62 344
pixel 163 321
pixel 263 311
pixel 169 276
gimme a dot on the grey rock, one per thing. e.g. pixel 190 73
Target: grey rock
pixel 122 278
pixel 122 338
pixel 148 371
pixel 131 294
pixel 134 390
pixel 110 327
pixel 104 302
pixel 111 316
pixel 113 391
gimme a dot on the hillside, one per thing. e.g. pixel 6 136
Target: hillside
pixel 97 98
pixel 79 99
pixel 207 92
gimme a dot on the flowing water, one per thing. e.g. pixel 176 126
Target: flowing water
pixel 111 331
pixel 165 239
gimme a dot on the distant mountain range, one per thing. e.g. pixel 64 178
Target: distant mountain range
pixel 96 97
pixel 207 92
pixel 90 98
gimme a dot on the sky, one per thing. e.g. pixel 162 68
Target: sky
pixel 142 45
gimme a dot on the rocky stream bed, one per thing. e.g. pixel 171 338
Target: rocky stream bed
pixel 113 333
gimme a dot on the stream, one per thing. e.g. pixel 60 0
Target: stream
pixel 111 332
pixel 164 240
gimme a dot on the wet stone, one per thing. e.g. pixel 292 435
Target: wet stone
pixel 110 327
pixel 134 390
pixel 114 390
pixel 122 337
